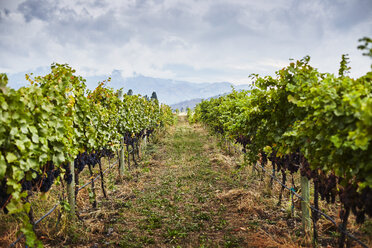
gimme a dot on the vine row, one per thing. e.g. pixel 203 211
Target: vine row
pixel 55 127
pixel 303 120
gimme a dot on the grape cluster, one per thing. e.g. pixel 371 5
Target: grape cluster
pixel 129 140
pixel 48 180
pixel 359 203
pixel 289 162
pixel 141 133
pixel 149 132
pixel 92 158
pixel 81 161
pixel 219 129
pixel 105 152
pixel 68 175
pixel 327 184
pixel 272 157
pixel 43 182
pixel 306 171
pixel 263 158
pixel 4 196
pixel 243 140
pixel 327 187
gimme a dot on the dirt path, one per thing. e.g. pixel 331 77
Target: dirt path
pixel 185 193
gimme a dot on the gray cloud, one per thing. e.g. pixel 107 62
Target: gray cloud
pixel 39 9
pixel 82 29
pixel 347 14
pixel 186 40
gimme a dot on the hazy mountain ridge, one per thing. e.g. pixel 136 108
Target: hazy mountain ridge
pixel 182 106
pixel 193 102
pixel 171 91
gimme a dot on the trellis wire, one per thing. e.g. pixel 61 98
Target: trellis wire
pixel 56 205
pixel 313 208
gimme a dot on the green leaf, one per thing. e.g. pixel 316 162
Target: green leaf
pixel 65 205
pixel 2 166
pixel 336 141
pixel 362 142
pixel 59 158
pixel 20 145
pixel 24 129
pixel 35 138
pixel 292 99
pixel 14 207
pixel 11 157
pixel 32 129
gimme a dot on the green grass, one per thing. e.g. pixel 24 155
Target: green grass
pixel 176 204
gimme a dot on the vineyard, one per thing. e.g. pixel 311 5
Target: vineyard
pixel 285 164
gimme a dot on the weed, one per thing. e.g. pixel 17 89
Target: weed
pixel 232 241
pixel 152 222
pixel 172 235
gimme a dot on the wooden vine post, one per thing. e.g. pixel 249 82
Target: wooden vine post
pixel 71 189
pixel 145 139
pixel 122 155
pixel 305 189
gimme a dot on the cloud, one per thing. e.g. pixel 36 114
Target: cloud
pixel 39 9
pixel 347 14
pixel 211 40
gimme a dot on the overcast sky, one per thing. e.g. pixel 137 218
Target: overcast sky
pixel 194 40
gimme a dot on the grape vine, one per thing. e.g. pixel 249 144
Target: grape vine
pixel 302 119
pixel 56 120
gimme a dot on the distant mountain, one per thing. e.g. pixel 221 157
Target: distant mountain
pixel 191 103
pixel 186 104
pixel 168 91
pixel 18 80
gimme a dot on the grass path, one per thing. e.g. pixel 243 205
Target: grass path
pixel 185 193
pixel 174 203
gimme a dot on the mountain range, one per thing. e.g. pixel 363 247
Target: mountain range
pixel 168 91
pixel 171 91
pixel 182 106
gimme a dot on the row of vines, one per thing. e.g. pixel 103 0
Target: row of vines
pixel 303 120
pixel 55 127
